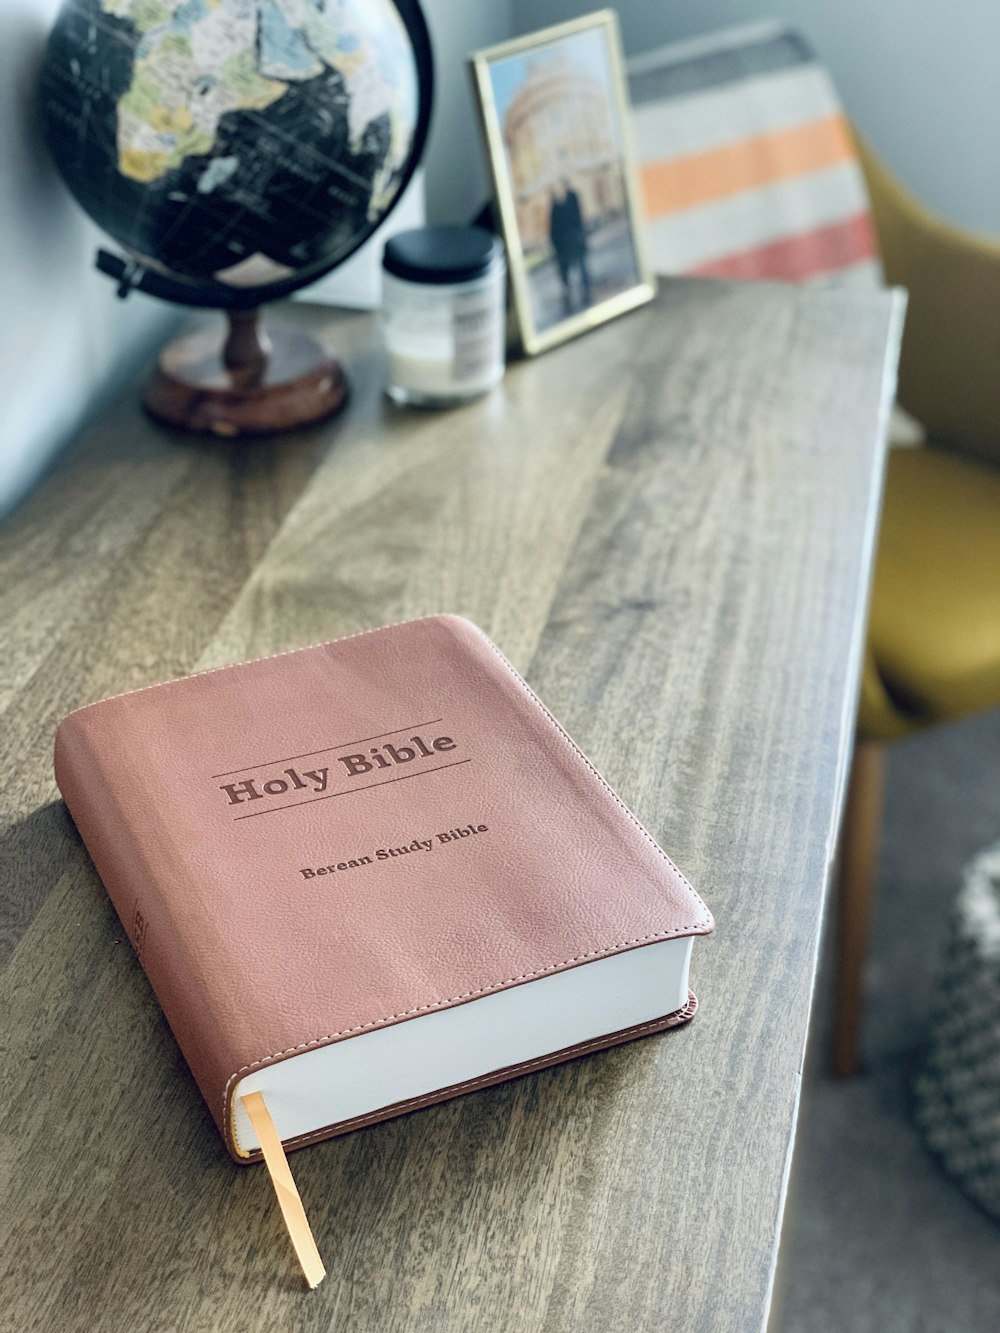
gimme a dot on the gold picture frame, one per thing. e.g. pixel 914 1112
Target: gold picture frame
pixel 555 114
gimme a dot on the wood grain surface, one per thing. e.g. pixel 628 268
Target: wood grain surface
pixel 667 525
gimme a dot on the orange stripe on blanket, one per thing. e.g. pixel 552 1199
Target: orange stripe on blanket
pixel 794 258
pixel 699 178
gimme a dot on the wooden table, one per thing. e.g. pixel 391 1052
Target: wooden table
pixel 668 526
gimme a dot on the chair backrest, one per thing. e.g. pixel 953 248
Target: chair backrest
pixel 747 165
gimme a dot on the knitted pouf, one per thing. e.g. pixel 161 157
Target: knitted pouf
pixel 957 1093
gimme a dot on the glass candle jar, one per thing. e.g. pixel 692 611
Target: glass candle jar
pixel 443 314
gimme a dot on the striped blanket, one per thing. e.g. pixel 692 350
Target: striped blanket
pixel 746 164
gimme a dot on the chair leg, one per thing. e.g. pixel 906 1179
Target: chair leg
pixel 859 840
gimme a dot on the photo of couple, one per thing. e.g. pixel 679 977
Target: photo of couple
pixel 563 179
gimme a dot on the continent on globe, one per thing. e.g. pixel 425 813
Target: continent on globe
pixel 194 62
pixel 238 144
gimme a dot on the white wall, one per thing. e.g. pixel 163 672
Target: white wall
pixel 456 176
pixel 920 78
pixel 66 341
pixel 65 338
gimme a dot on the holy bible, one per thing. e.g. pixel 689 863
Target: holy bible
pixel 373 874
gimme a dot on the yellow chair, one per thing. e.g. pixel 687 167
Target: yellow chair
pixel 933 652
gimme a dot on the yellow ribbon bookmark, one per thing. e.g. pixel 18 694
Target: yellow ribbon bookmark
pixel 284 1187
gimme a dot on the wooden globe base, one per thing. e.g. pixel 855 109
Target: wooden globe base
pixel 255 383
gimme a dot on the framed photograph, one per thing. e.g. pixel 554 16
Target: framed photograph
pixel 555 113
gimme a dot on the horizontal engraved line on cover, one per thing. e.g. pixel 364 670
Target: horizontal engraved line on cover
pixel 476 852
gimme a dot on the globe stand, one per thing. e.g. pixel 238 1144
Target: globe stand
pixel 253 384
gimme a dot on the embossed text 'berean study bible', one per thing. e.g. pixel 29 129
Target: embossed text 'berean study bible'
pixel 370 875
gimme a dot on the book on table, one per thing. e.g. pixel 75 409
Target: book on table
pixel 369 875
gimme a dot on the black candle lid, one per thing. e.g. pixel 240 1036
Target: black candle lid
pixel 441 254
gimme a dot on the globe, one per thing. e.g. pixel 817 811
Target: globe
pixel 236 149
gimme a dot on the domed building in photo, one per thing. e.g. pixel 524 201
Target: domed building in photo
pixel 558 127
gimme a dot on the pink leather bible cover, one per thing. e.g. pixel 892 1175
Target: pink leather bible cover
pixel 235 816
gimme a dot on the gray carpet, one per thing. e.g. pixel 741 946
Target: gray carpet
pixel 878 1239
